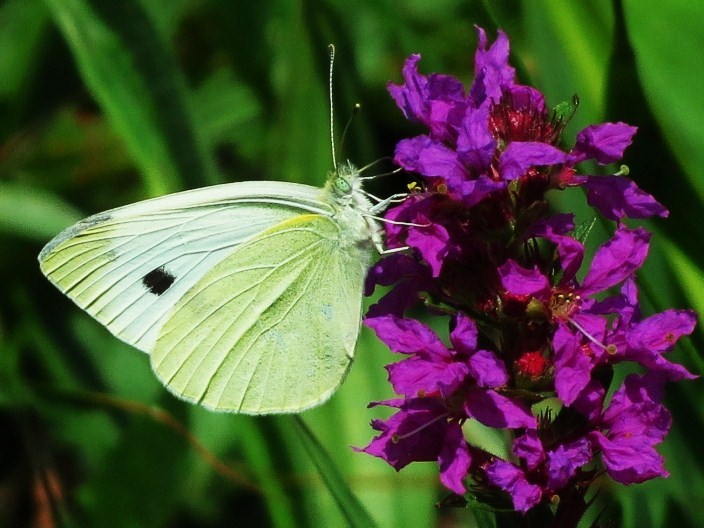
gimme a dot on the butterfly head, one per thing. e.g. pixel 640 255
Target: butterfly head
pixel 344 185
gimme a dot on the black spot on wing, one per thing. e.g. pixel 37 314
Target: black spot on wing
pixel 158 281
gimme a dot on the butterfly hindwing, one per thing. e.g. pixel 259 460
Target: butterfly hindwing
pixel 272 327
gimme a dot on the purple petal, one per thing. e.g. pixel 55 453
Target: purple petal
pixel 402 296
pixel 430 158
pixel 471 192
pixel 571 251
pixel 445 117
pixel 660 332
pixel 605 142
pixel 625 304
pixel 475 144
pixel 639 423
pixel 407 211
pixel 636 422
pixel 410 277
pixel 520 156
pixel 595 326
pixel 521 281
pixel 429 237
pixel 494 410
pixel 437 101
pixel 617 259
pixel 657 363
pixel 487 370
pixel 464 336
pixel 414 434
pixel 493 66
pixel 432 242
pixel 628 463
pixel 512 480
pixel 526 97
pixel 565 460
pixel 389 270
pixel 572 365
pixel 415 209
pixel 617 197
pixel 629 290
pixel 445 88
pixel 418 377
pixel 410 97
pixel 408 336
pixel 454 459
pixel 646 388
pixel 530 448
pixel 590 400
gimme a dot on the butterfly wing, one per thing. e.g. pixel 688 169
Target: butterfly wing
pixel 272 327
pixel 128 267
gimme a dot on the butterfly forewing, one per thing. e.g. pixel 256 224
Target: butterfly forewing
pixel 129 266
pixel 272 327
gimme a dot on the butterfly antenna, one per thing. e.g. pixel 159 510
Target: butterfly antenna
pixel 376 162
pixel 331 50
pixel 355 111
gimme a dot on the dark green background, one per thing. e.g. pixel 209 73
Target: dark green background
pixel 106 102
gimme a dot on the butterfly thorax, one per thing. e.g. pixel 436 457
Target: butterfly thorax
pixel 343 190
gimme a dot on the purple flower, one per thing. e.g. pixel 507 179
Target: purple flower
pixel 648 339
pixel 422 430
pixel 525 324
pixel 398 442
pixel 437 101
pixel 443 387
pixel 464 378
pixel 431 368
pixel 634 423
pixel 499 131
pixel 587 335
pixel 542 472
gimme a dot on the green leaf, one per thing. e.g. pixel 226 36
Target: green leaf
pixel 135 79
pixel 33 214
pixel 484 518
pixel 667 38
pixel 22 24
pixel 354 512
pixel 570 41
pixel 226 110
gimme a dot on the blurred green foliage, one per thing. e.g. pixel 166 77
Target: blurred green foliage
pixel 103 103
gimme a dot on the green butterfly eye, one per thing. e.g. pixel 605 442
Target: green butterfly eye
pixel 342 185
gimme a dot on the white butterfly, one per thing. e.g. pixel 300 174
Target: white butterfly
pixel 247 296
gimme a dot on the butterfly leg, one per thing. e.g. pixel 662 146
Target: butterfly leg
pixel 381 205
